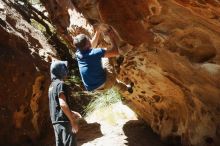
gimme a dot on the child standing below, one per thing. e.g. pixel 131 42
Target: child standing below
pixel 63 119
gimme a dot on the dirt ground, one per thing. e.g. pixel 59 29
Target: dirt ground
pixel 118 126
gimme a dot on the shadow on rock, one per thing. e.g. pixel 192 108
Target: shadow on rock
pixel 139 134
pixel 88 132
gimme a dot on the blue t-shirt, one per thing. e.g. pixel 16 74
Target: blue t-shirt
pixel 90 66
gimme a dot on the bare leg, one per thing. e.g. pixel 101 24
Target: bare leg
pixel 111 78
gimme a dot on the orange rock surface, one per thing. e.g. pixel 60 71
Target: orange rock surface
pixel 172 54
pixel 171 51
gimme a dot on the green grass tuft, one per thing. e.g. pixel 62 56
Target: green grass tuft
pixel 103 100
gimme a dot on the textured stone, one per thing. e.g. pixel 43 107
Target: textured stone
pixel 171 54
pixel 24 80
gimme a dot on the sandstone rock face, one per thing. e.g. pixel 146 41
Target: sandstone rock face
pixel 24 80
pixel 171 53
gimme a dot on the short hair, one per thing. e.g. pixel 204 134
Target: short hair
pixel 80 41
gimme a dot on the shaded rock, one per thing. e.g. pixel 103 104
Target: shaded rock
pixel 24 81
pixel 169 42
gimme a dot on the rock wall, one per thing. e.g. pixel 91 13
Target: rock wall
pixel 171 53
pixel 24 79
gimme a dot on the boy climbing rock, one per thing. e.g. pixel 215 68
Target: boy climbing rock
pixel 96 75
pixel 63 119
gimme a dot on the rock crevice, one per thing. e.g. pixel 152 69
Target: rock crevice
pixel 171 54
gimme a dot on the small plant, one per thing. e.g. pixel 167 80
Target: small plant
pixel 74 79
pixel 38 26
pixel 103 100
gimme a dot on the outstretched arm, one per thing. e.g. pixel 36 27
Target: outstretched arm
pixel 64 106
pixel 95 39
pixel 113 52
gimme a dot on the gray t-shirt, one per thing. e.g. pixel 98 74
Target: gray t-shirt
pixel 56 114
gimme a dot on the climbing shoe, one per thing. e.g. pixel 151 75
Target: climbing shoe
pixel 130 87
